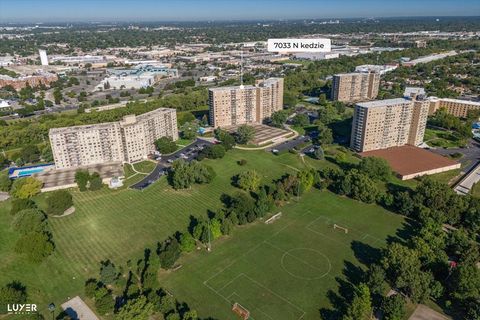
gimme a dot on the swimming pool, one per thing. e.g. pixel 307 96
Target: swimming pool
pixel 28 171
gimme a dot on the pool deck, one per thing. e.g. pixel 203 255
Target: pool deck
pixel 14 173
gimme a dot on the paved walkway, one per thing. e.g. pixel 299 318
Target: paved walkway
pixel 425 313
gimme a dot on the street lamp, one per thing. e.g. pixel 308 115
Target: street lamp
pixel 51 307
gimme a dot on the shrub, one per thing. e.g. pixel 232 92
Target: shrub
pixel 21 204
pixel 242 162
pixel 30 220
pixel 24 188
pixel 36 245
pixel 58 202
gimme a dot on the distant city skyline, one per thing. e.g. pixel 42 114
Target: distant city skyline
pixel 32 11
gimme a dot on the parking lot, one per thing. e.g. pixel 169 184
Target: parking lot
pixel 290 144
pixel 188 153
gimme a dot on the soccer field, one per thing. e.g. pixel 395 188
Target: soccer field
pixel 287 269
pixel 119 224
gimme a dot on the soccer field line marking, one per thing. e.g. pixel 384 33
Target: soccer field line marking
pixel 286 252
pixel 229 282
pixel 246 253
pixel 328 220
pixel 277 295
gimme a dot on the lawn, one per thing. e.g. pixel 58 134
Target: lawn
pixel 290 269
pixel 119 224
pixel 443 139
pixel 145 166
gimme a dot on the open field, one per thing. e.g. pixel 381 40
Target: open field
pixel 120 224
pixel 290 269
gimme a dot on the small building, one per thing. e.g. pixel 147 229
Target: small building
pixel 409 162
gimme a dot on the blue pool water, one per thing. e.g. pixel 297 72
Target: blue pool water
pixel 29 172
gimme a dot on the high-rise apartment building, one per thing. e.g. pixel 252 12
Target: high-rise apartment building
pixel 389 123
pixel 456 107
pixel 129 140
pixel 355 86
pixel 238 105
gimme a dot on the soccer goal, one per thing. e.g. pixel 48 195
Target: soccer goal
pixel 336 226
pixel 241 311
pixel 273 218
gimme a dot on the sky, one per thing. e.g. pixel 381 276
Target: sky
pixel 196 10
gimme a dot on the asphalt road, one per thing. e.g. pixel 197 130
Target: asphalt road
pixel 471 154
pixel 188 153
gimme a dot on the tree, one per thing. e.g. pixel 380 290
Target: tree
pixel 244 134
pixel 108 272
pixel 248 180
pixel 306 179
pixel 30 153
pixel 169 253
pixel 376 279
pixel 361 306
pixel 81 178
pixel 165 145
pixel 91 286
pixel 358 186
pixel 104 302
pixel 5 182
pixel 138 309
pixel 57 95
pixel 181 174
pixel 187 242
pixel 13 292
pixel 189 130
pixel 24 188
pixel 325 135
pixel 301 120
pixel 216 151
pixel 29 220
pixel 375 168
pixel 393 307
pixel 95 182
pixel 59 201
pixel 36 246
pixel 279 118
pixel 227 139
pixel 21 204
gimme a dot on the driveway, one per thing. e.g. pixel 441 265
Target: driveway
pixel 471 154
pixel 188 153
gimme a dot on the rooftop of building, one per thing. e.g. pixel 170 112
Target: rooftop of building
pixel 473 103
pixel 409 160
pixel 244 87
pixel 382 103
pixel 128 119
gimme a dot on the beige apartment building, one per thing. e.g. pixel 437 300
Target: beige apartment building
pixel 388 123
pixel 355 86
pixel 456 107
pixel 129 140
pixel 236 105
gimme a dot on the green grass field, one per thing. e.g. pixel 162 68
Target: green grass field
pixel 119 224
pixel 443 139
pixel 287 269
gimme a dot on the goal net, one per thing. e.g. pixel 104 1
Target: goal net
pixel 241 311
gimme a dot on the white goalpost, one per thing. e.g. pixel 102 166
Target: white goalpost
pixel 273 218
pixel 336 226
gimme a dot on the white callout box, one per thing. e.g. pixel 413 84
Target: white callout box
pixel 299 45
